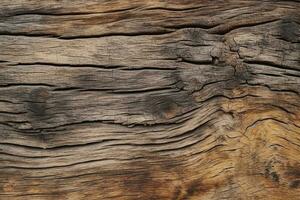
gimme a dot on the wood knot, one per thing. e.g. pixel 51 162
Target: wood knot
pixel 163 107
pixel 215 60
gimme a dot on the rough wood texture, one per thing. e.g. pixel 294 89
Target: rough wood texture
pixel 149 99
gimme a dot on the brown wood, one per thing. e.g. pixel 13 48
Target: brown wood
pixel 149 99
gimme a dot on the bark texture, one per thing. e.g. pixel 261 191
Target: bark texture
pixel 149 100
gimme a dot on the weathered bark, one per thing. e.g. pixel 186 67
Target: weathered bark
pixel 149 99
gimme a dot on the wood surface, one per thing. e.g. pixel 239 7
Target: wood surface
pixel 149 100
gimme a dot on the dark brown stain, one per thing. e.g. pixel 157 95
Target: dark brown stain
pixel 242 73
pixel 274 176
pixel 41 104
pixel 37 102
pixel 153 177
pixel 139 179
pixel 295 184
pixel 293 175
pixel 289 30
pixel 193 188
pixel 293 171
pixel 197 188
pixel 162 177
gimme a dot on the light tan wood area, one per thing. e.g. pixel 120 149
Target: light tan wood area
pixel 149 100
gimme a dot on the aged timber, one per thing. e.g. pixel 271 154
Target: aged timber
pixel 149 100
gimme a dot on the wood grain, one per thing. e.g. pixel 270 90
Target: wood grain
pixel 149 99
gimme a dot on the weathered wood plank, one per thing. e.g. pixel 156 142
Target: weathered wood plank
pixel 149 99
